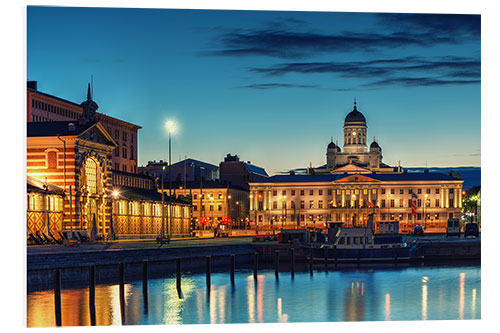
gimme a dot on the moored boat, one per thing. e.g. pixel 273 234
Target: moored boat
pixel 360 244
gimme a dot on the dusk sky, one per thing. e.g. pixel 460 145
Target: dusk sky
pixel 270 86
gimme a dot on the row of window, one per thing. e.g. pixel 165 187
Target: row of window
pixel 123 207
pixel 340 217
pixel 124 152
pixel 358 191
pixel 54 109
pixel 130 181
pixel 38 202
pixel 124 134
pixel 357 204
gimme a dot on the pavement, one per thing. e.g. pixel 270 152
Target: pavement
pixel 136 244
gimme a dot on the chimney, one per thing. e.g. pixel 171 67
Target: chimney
pixel 33 85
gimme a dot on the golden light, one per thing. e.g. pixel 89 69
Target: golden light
pixel 229 197
pixel 115 194
pixel 171 127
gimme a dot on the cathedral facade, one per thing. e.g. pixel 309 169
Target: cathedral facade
pixel 355 157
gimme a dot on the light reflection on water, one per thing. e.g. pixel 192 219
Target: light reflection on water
pixel 363 295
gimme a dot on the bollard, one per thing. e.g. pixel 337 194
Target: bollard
pixel 122 292
pixel 255 264
pixel 57 296
pixel 276 262
pixel 178 277
pixel 208 269
pixel 92 295
pixel 145 279
pixel 232 268
pixel 311 260
pixel 292 261
pixel 326 259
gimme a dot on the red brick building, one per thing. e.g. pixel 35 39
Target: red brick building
pixel 43 107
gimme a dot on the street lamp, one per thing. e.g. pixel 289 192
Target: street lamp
pixel 171 127
pixel 114 195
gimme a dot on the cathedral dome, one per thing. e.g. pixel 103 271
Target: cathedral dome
pixel 331 145
pixel 355 117
pixel 374 144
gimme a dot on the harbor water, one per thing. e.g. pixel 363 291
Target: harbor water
pixel 394 293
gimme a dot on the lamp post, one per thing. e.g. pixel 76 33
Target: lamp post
pixel 162 205
pixel 354 204
pixel 171 128
pixel 114 196
pixel 425 214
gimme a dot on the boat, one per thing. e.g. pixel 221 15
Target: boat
pixel 359 244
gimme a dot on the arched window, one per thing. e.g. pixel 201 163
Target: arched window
pixel 52 159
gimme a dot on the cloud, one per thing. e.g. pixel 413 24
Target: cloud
pixel 458 24
pixel 265 86
pixel 282 39
pixel 287 44
pixel 452 66
pixel 419 81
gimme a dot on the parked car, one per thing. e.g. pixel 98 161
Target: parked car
pixel 418 230
pixel 471 229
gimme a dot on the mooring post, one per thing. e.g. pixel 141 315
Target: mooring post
pixel 122 291
pixel 335 255
pixel 326 259
pixel 276 263
pixel 311 260
pixel 208 269
pixel 178 276
pixel 255 264
pixel 232 268
pixel 145 278
pixel 57 296
pixel 292 261
pixel 92 295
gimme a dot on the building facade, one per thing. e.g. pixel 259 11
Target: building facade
pixel 70 180
pixel 42 107
pixel 239 173
pixel 353 184
pixel 214 202
pixel 314 200
pixel 186 170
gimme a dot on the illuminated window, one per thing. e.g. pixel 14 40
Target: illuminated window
pixel 320 204
pixel 311 204
pixel 302 204
pixel 91 175
pixel 283 192
pixel 52 159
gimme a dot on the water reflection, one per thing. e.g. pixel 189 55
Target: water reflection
pixel 337 296
pixel 461 301
pixel 354 303
pixel 387 307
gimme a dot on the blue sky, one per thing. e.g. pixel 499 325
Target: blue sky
pixel 270 86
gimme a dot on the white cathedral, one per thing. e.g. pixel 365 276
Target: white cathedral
pixel 355 157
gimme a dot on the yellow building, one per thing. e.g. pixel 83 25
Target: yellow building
pixel 214 202
pixel 314 200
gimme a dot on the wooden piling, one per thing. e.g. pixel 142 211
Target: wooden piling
pixel 311 260
pixel 277 263
pixel 255 264
pixel 326 259
pixel 145 278
pixel 178 276
pixel 292 261
pixel 92 295
pixel 232 268
pixel 57 296
pixel 208 270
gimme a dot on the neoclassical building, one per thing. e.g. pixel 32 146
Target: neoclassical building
pixel 353 184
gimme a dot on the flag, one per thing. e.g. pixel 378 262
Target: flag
pixel 414 204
